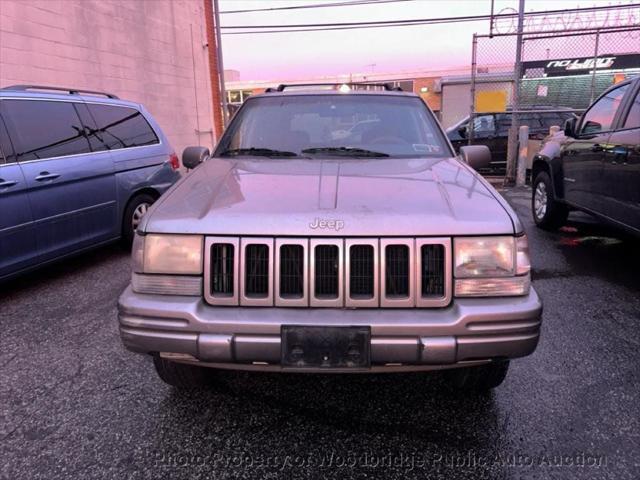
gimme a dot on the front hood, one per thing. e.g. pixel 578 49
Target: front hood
pixel 331 197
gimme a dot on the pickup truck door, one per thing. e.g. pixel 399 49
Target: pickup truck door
pixel 17 240
pixel 584 156
pixel 622 167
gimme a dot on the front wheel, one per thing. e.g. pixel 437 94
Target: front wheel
pixel 480 378
pixel 548 213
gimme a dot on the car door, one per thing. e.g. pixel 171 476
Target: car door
pixel 622 165
pixel 583 156
pixel 71 188
pixel 17 239
pixel 484 133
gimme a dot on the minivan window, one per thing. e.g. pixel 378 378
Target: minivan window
pixel 600 116
pixel 121 127
pixel 44 129
pixel 5 146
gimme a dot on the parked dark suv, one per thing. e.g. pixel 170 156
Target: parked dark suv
pixel 492 130
pixel 595 165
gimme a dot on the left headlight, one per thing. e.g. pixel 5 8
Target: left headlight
pixel 491 266
pixel 167 264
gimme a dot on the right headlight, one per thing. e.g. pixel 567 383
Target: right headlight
pixel 167 264
pixel 491 266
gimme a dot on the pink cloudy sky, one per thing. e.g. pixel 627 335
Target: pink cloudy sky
pixel 312 54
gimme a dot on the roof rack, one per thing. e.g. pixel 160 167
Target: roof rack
pixel 386 86
pixel 70 91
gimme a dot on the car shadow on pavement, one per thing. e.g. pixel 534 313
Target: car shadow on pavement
pixel 416 406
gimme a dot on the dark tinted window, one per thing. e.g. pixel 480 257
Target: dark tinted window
pixel 121 127
pixel 504 123
pixel 600 116
pixel 6 152
pixel 633 119
pixel 532 120
pixel 44 129
pixel 554 119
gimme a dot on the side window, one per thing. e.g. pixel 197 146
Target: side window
pixel 6 151
pixel 44 129
pixel 504 124
pixel 532 120
pixel 484 125
pixel 633 119
pixel 600 116
pixel 554 119
pixel 121 127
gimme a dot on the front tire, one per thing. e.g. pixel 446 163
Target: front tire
pixel 548 213
pixel 480 378
pixel 182 376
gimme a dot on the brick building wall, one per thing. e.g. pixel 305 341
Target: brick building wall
pixel 147 51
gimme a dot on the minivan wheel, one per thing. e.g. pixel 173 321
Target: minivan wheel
pixel 480 378
pixel 133 214
pixel 548 213
pixel 181 375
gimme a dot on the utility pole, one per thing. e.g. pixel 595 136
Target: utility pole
pixel 223 90
pixel 512 146
pixel 214 71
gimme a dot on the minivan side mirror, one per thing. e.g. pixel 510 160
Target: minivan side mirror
pixel 570 127
pixel 476 156
pixel 194 156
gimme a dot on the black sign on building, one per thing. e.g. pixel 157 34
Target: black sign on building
pixel 579 65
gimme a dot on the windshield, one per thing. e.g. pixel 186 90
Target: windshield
pixel 334 125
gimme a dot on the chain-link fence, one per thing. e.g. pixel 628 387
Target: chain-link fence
pixel 559 75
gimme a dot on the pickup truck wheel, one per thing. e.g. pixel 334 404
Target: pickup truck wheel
pixel 182 376
pixel 548 213
pixel 133 214
pixel 480 378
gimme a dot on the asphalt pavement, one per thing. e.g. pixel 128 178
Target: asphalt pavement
pixel 75 404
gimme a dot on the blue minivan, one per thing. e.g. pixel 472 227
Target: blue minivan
pixel 77 169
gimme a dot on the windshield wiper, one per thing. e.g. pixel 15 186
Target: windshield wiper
pixel 261 152
pixel 346 151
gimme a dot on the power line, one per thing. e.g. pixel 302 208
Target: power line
pixel 395 23
pixel 315 5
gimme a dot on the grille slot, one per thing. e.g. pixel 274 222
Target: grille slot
pixel 397 271
pixel 256 271
pixel 327 268
pixel 222 270
pixel 432 270
pixel 291 271
pixel 361 271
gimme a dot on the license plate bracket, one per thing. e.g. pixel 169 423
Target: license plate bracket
pixel 325 347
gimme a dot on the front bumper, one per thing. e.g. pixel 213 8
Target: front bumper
pixel 469 331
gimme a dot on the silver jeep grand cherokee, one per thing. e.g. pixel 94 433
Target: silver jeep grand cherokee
pixel 332 230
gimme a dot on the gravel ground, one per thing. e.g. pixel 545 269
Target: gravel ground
pixel 75 404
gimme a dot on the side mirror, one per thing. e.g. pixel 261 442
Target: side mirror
pixel 570 127
pixel 194 156
pixel 476 156
pixel 462 131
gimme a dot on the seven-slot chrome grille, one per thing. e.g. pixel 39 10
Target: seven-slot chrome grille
pixel 328 272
